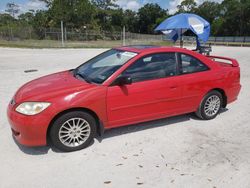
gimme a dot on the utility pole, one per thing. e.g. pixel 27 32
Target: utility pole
pixel 62 33
pixel 124 36
pixel 65 34
pixel 85 29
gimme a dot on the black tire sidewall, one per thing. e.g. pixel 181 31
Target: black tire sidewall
pixel 202 106
pixel 54 136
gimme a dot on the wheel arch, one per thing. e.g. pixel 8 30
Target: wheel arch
pixel 99 128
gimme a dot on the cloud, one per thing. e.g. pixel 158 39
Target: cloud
pixel 136 4
pixel 130 4
pixel 32 5
pixel 133 5
pixel 173 4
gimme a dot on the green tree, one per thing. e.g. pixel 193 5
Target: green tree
pixel 209 10
pixel 5 19
pixel 217 27
pixel 106 14
pixel 186 6
pixel 26 18
pixel 40 22
pixel 148 16
pixel 117 19
pixel 74 13
pixel 231 12
pixel 230 17
pixel 130 20
pixel 245 17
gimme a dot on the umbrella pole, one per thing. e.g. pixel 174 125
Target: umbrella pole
pixel 181 41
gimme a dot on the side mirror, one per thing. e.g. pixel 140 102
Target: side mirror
pixel 123 80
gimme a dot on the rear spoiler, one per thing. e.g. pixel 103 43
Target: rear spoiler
pixel 234 62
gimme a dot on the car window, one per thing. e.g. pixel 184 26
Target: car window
pixel 113 58
pixel 152 67
pixel 190 64
pixel 101 67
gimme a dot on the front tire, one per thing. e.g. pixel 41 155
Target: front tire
pixel 210 105
pixel 73 131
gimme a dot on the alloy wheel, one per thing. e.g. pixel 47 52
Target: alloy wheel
pixel 74 132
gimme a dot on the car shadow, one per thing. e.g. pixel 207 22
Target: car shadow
pixel 144 126
pixel 40 150
pixel 150 124
pixel 118 131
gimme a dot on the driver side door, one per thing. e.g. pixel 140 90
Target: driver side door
pixel 153 94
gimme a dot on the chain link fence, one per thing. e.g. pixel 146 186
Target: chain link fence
pixel 52 37
pixel 226 40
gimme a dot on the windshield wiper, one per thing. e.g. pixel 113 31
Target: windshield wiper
pixel 84 77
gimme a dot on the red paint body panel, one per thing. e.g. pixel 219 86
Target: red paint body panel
pixel 121 105
pixel 143 101
pixel 30 131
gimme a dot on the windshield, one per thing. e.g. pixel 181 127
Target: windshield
pixel 101 67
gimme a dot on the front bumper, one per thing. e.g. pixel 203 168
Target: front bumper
pixel 28 130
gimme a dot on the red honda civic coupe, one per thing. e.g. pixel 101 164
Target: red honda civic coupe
pixel 119 87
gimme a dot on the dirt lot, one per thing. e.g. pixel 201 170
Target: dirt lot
pixel 175 152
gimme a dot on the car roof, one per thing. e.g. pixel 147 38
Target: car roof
pixel 149 48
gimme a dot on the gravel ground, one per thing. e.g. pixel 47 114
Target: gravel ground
pixel 180 151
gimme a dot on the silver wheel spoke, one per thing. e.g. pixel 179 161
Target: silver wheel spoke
pixel 84 131
pixel 78 122
pixel 70 125
pixel 77 140
pixel 82 137
pixel 74 132
pixel 70 139
pixel 212 105
pixel 66 139
pixel 66 135
pixel 66 128
pixel 83 125
pixel 67 132
pixel 84 134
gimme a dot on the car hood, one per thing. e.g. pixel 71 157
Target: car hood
pixel 47 87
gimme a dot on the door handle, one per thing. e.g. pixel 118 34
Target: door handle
pixel 173 87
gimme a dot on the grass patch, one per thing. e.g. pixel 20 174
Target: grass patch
pixel 75 44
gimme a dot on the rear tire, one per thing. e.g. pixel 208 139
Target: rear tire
pixel 73 131
pixel 210 105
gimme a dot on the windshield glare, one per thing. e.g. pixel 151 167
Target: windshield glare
pixel 101 67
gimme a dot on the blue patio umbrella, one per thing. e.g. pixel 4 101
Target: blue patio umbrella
pixel 176 25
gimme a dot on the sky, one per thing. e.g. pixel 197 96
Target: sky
pixel 166 4
pixel 26 5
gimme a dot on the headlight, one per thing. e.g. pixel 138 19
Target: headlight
pixel 32 108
